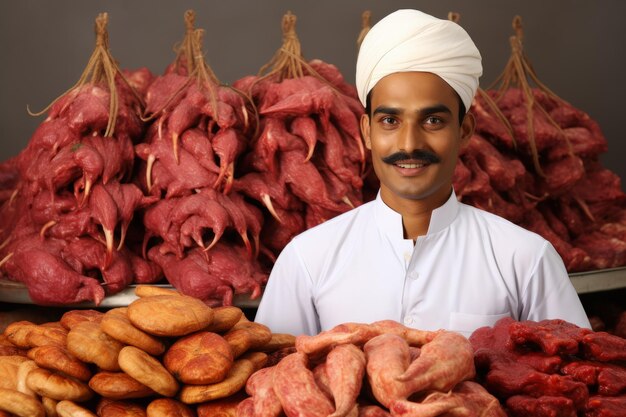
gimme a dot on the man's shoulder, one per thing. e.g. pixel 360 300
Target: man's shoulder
pixel 499 227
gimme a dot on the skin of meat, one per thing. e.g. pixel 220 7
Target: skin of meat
pixel 295 386
pixel 50 280
pixel 260 386
pixel 358 334
pixel 333 154
pixel 388 356
pixel 442 363
pixel 373 411
pixel 466 399
pixel 345 367
pixel 306 129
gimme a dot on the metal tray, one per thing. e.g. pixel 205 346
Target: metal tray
pixel 17 292
pixel 602 280
pixel 584 282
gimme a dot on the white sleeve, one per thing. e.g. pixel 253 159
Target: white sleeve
pixel 287 302
pixel 549 293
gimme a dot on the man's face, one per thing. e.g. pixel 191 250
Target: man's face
pixel 414 136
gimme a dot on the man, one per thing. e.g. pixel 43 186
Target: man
pixel 415 254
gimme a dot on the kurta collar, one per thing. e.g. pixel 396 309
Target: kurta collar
pixel 390 221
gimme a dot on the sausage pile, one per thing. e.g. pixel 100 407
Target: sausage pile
pixel 165 351
pixel 377 369
pixel 551 368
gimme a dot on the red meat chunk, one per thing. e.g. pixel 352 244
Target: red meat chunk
pixel 546 406
pixel 552 336
pixel 602 346
pixel 610 379
pixel 599 406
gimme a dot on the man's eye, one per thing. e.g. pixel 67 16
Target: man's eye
pixel 433 120
pixel 388 120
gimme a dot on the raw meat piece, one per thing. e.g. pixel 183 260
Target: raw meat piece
pixel 358 334
pixel 605 251
pixel 260 386
pixel 506 378
pixel 50 280
pixel 466 399
pixel 496 341
pixel 388 357
pixel 345 367
pixel 610 379
pixel 295 386
pixel 602 346
pixel 544 406
pixel 373 411
pixel 551 336
pixel 443 362
pixel 599 406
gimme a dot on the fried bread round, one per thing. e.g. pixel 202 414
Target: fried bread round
pixel 57 387
pixel 89 343
pixel 200 358
pixel 59 359
pixel 73 317
pixel 68 408
pixel 147 370
pixel 20 404
pixel 170 315
pixel 118 386
pixel 167 407
pixel 116 324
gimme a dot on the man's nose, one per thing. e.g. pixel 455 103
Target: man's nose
pixel 411 138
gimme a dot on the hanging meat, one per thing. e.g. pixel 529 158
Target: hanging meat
pixel 306 165
pixel 200 231
pixel 65 223
pixel 534 159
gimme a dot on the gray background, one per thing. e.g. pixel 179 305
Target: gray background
pixel 575 46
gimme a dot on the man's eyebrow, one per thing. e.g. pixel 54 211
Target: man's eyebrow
pixel 438 108
pixel 387 110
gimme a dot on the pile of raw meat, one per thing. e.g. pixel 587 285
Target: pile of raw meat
pixel 201 232
pixel 379 369
pixel 534 160
pixel 63 226
pixel 133 178
pixel 306 164
pixel 551 368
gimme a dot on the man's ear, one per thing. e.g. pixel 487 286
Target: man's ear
pixel 467 128
pixel 365 130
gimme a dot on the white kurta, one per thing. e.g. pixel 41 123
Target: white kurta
pixel 471 269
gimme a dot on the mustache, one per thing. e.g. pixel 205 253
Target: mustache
pixel 417 154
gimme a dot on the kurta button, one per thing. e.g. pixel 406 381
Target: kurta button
pixel 408 320
pixel 414 275
pixel 407 256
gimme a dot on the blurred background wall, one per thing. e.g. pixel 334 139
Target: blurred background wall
pixel 576 46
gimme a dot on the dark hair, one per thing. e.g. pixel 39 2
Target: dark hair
pixel 368 106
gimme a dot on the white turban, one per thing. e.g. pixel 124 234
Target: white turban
pixel 410 40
